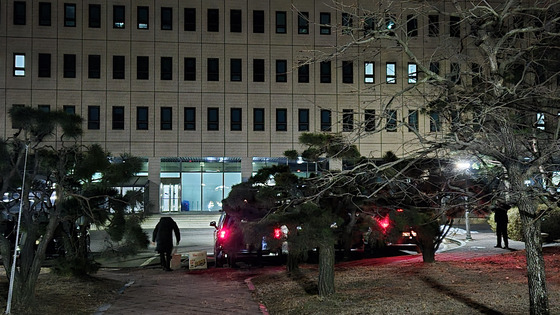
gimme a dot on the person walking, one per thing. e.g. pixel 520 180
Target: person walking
pixel 163 237
pixel 501 218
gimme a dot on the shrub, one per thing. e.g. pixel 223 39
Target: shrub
pixel 515 231
pixel 550 223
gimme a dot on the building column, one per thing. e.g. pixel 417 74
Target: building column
pixel 154 180
pixel 246 168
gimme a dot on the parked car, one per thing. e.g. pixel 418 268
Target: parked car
pixel 385 233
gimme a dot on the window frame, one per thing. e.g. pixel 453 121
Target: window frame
pixel 142 67
pixel 303 73
pixel 213 119
pixel 119 16
pixel 258 22
pixel 119 67
pixel 369 77
pixel 94 16
pixel 19 65
pixel 69 66
pixel 236 119
pixel 213 20
pixel 213 69
pixel 236 70
pixel 69 17
pixel 94 67
pixel 391 74
pixel 303 119
pixel 94 117
pixel 44 65
pixel 325 71
pixel 235 21
pixel 259 70
pixel 189 24
pixel 303 23
pixel 325 23
pixel 143 17
pixel 141 123
pixel 281 22
pixel 166 118
pixel 117 118
pixel 20 13
pixel 189 118
pixel 45 14
pixel 189 69
pixel 166 68
pixel 281 70
pixel 412 70
pixel 281 119
pixel 326 120
pixel 258 119
pixel 348 71
pixel 166 15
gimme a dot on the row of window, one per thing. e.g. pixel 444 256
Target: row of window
pixel 236 23
pixel 236 119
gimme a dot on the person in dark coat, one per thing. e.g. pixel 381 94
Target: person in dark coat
pixel 163 236
pixel 501 218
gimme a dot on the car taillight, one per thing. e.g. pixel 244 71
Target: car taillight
pixel 277 233
pixel 222 234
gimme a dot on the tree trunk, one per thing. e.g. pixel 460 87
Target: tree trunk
pixel 428 254
pixel 326 269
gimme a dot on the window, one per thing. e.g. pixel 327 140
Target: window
pixel 412 73
pixel 94 118
pixel 94 66
pixel 540 123
pixel 235 70
pixel 281 27
pixel 325 20
pixel 455 73
pixel 370 120
pixel 44 65
pixel 303 119
pixel 118 118
pixel 236 119
pixel 190 19
pixel 454 26
pixel 411 26
pixel 44 13
pixel 325 68
pixel 69 109
pixel 44 108
pixel 94 16
pixel 391 73
pixel 325 120
pixel 190 118
pixel 391 120
pixel 213 20
pixel 281 69
pixel 118 67
pixel 19 65
pixel 435 124
pixel 281 119
pixel 213 69
pixel 347 72
pixel 433 25
pixel 166 18
pixel 303 23
pixel 347 23
pixel 19 13
pixel 69 65
pixel 235 25
pixel 166 68
pixel 142 68
pixel 258 119
pixel 118 16
pixel 303 73
pixel 390 25
pixel 70 15
pixel 347 120
pixel 258 21
pixel 434 67
pixel 190 69
pixel 369 72
pixel 369 24
pixel 213 118
pixel 141 118
pixel 412 120
pixel 166 122
pixel 143 17
pixel 258 70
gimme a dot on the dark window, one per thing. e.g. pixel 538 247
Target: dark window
pixel 166 18
pixel 412 120
pixel 433 25
pixel 325 71
pixel 303 119
pixel 325 120
pixel 213 118
pixel 258 70
pixel 391 120
pixel 235 69
pixel 303 73
pixel 455 73
pixel 370 120
pixel 166 118
pixel 118 67
pixel 258 119
pixel 190 19
pixel 235 25
pixel 391 73
pixel 94 66
pixel 434 67
pixel 94 16
pixel 69 66
pixel 142 118
pixel 166 68
pixel 303 23
pixel 258 21
pixel 369 72
pixel 142 68
pixel 281 119
pixel 236 119
pixel 454 26
pixel 213 69
pixel 118 117
pixel 435 124
pixel 347 72
pixel 347 23
pixel 118 16
pixel 281 71
pixel 190 69
pixel 143 17
pixel 94 117
pixel 69 109
pixel 213 20
pixel 411 26
pixel 325 20
pixel 281 26
pixel 70 15
pixel 369 24
pixel 347 120
pixel 44 13
pixel 190 118
pixel 19 13
pixel 44 65
pixel 44 108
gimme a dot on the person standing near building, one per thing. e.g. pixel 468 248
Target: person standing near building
pixel 501 218
pixel 163 237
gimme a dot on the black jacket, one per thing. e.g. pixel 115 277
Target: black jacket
pixel 163 234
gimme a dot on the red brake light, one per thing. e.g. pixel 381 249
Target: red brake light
pixel 400 210
pixel 384 223
pixel 277 233
pixel 222 234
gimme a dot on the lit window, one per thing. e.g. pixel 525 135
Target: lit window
pixel 540 121
pixel 391 73
pixel 19 65
pixel 118 16
pixel 412 73
pixel 369 74
pixel 69 15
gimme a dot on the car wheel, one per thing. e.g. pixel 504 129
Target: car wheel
pixel 219 258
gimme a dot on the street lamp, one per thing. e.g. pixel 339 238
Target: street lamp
pixel 465 166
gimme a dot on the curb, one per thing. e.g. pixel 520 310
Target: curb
pixel 251 287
